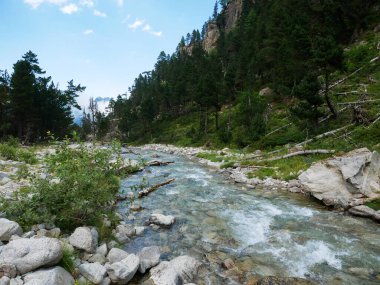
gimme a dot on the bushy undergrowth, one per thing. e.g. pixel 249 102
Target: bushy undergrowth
pixel 11 150
pixel 80 190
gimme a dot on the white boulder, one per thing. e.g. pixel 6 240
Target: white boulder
pixel 9 228
pixel 84 238
pixel 56 275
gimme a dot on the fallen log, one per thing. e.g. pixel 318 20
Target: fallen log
pixel 149 190
pixel 359 102
pixel 329 133
pixel 302 152
pixel 159 163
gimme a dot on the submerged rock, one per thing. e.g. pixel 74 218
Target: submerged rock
pixel 272 280
pixel 161 220
pixel 344 181
pixel 30 254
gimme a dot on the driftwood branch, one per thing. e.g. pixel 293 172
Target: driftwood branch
pixel 329 116
pixel 329 133
pixel 149 190
pixel 159 163
pixel 279 129
pixel 302 152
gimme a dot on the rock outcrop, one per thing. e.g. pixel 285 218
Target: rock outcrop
pixel 211 38
pixel 346 181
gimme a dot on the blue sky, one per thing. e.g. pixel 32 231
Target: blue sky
pixel 101 44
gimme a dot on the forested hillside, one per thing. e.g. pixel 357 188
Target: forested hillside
pixel 256 67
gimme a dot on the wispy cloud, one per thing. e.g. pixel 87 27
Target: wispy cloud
pixel 87 3
pixel 88 32
pixel 120 2
pixel 136 24
pixel 99 14
pixel 36 3
pixel 125 20
pixel 70 9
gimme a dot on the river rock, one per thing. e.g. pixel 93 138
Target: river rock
pixel 5 280
pixel 102 249
pixel 346 180
pixel 116 255
pixel 8 270
pixel 99 258
pixel 365 211
pixel 94 272
pixel 84 238
pixel 161 220
pixel 271 280
pixel 186 267
pixel 163 274
pixel 16 281
pixel 123 271
pixel 149 257
pixel 30 254
pixel 56 275
pixel 9 228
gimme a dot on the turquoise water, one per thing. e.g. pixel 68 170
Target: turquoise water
pixel 264 231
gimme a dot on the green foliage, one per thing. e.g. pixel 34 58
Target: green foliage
pixel 374 205
pixel 80 191
pixel 11 151
pixel 68 258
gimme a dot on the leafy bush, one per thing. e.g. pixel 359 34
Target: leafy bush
pixel 12 151
pixel 80 191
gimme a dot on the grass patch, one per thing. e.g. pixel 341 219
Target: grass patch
pixel 211 156
pixel 9 151
pixel 227 165
pixel 374 204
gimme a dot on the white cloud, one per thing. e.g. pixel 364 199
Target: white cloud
pixel 88 32
pixel 146 28
pixel 69 9
pixel 136 24
pixel 36 3
pixel 87 3
pixel 120 2
pixel 99 14
pixel 156 34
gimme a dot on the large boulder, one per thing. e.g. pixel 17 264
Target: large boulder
pixel 94 272
pixel 180 270
pixel 161 220
pixel 30 254
pixel 9 228
pixel 123 271
pixel 56 275
pixel 344 181
pixel 84 238
pixel 149 257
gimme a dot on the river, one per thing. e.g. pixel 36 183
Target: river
pixel 265 232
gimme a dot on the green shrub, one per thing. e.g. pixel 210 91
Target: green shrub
pixel 12 151
pixel 80 191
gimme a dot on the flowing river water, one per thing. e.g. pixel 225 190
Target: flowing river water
pixel 265 232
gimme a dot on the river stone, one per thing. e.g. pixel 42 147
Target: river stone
pixel 123 271
pixel 271 280
pixel 84 238
pixel 161 220
pixel 9 228
pixel 30 254
pixel 97 258
pixel 163 274
pixel 149 257
pixel 56 275
pixel 102 249
pixel 116 255
pixel 5 280
pixel 16 281
pixel 186 267
pixel 94 272
pixel 344 181
pixel 365 211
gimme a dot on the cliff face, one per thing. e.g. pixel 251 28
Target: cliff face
pixel 211 37
pixel 233 13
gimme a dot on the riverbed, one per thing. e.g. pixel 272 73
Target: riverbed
pixel 265 232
